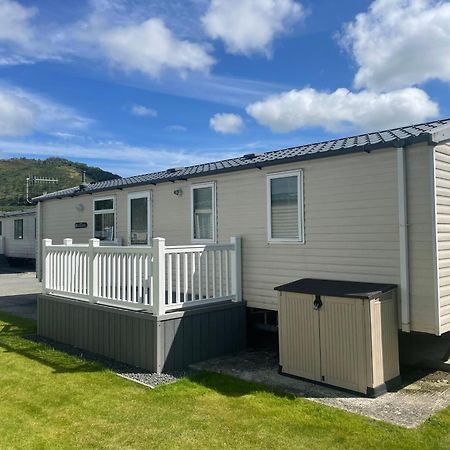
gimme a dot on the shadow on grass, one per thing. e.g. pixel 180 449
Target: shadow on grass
pixel 16 336
pixel 231 386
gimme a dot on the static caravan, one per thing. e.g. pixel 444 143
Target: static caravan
pixel 18 235
pixel 372 208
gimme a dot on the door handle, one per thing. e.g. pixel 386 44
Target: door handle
pixel 317 303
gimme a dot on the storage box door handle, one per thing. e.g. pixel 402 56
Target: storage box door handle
pixel 317 303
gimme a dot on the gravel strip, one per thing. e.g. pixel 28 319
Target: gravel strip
pixel 135 374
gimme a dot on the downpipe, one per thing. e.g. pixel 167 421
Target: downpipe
pixel 403 237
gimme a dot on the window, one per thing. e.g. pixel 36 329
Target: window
pixel 139 220
pixel 203 212
pixel 285 206
pixel 105 219
pixel 18 229
pixel 1 229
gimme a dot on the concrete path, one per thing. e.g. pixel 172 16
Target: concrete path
pixel 18 291
pixel 423 393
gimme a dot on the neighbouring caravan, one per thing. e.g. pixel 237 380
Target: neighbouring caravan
pixel 370 208
pixel 18 235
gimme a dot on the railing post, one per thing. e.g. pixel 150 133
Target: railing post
pixel 67 267
pixel 93 270
pixel 236 268
pixel 159 275
pixel 45 266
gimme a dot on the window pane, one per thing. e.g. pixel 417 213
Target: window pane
pixel 100 205
pixel 284 207
pixel 18 229
pixel 203 198
pixel 203 213
pixel 104 226
pixel 139 221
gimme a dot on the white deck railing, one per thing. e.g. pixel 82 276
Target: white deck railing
pixel 157 278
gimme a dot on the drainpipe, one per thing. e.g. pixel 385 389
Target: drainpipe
pixel 39 241
pixel 403 235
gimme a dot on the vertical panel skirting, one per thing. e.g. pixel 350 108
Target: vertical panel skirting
pixel 117 334
pixel 158 344
pixel 199 335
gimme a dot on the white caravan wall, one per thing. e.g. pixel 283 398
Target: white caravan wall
pixel 351 224
pixel 19 248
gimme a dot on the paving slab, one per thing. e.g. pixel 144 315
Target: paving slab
pixel 423 392
pixel 18 293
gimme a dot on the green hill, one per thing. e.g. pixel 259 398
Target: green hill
pixel 14 171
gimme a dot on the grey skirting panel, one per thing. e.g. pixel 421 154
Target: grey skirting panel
pixel 155 343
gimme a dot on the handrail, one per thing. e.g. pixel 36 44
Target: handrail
pixel 156 278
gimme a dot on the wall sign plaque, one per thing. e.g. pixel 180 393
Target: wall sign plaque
pixel 81 224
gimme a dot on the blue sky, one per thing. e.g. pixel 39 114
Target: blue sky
pixel 137 86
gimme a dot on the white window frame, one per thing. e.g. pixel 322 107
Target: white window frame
pixel 300 198
pixel 148 196
pixel 105 211
pixel 211 184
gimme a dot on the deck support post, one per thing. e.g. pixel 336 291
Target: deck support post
pixel 45 266
pixel 93 270
pixel 236 268
pixel 159 275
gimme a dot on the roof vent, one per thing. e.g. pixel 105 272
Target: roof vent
pixel 83 185
pixel 249 156
pixel 174 169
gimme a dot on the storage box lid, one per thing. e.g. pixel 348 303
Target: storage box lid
pixel 334 288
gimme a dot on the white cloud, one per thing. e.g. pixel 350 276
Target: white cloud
pixel 15 22
pixel 127 35
pixel 23 112
pixel 175 128
pixel 143 111
pixel 226 123
pixel 63 135
pixel 362 110
pixel 399 43
pixel 18 115
pixel 150 47
pixel 249 26
pixel 23 40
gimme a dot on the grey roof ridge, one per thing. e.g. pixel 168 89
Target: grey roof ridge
pixel 22 212
pixel 264 159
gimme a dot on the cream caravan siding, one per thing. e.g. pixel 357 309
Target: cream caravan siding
pixel 420 229
pixel 442 180
pixel 19 248
pixel 58 218
pixel 351 224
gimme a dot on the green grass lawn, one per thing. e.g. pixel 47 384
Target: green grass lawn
pixel 52 400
